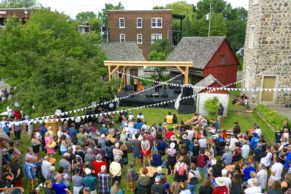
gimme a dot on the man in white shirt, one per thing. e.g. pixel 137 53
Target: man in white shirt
pixel 258 131
pixel 276 171
pixel 227 180
pixel 245 150
pixel 45 167
pixel 130 117
pixel 262 176
pixel 266 161
pixel 202 142
pixel 253 187
pixel 190 133
pixel 140 116
pixel 232 142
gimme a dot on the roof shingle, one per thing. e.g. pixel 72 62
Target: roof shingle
pixel 205 82
pixel 122 51
pixel 200 50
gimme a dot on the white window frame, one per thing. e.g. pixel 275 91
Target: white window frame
pixel 154 20
pixel 122 36
pixel 156 35
pixel 137 39
pixel 119 22
pixel 137 22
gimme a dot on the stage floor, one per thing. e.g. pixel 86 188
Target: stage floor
pixel 144 99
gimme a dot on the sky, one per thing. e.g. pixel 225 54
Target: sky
pixel 73 7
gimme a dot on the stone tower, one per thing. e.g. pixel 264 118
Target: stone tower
pixel 267 59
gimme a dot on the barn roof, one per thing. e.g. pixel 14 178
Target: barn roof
pixel 199 50
pixel 206 82
pixel 122 51
pixel 3 136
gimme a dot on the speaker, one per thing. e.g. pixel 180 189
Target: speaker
pixel 187 92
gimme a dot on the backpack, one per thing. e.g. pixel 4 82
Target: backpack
pixel 181 170
pixel 201 161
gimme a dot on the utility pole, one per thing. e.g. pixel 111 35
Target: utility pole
pixel 209 24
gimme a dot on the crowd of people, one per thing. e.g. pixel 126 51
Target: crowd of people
pixel 122 153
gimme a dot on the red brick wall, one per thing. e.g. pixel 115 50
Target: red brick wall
pixel 225 73
pixel 131 30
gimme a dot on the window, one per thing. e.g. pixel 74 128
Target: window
pixel 156 37
pixel 139 39
pixel 121 37
pixel 121 23
pixel 222 59
pixel 139 22
pixel 157 22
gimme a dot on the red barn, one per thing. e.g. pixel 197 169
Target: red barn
pixel 210 55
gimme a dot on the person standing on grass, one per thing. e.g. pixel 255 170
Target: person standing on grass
pixel 103 181
pixel 90 181
pixel 146 150
pixel 262 176
pixel 193 178
pixel 220 112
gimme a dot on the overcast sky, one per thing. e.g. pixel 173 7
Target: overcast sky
pixel 73 7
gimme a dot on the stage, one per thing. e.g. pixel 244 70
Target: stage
pixel 146 99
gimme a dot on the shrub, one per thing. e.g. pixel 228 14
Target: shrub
pixel 211 106
pixel 271 116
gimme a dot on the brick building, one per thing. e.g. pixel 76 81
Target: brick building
pixel 21 13
pixel 267 58
pixel 143 27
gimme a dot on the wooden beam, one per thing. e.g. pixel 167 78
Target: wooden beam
pixel 181 70
pixel 149 63
pixel 115 69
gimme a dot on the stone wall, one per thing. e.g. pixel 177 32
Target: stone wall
pixel 268 47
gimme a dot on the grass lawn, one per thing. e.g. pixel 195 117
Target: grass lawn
pixel 156 115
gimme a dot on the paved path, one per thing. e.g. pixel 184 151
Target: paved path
pixel 283 111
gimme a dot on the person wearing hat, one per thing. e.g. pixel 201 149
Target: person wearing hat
pixel 226 179
pixel 64 162
pixel 220 187
pixel 90 181
pixel 185 141
pixel 159 173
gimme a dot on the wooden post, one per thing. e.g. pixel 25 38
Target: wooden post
pixel 109 73
pixel 186 75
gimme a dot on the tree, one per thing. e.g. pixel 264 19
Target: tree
pixel 91 19
pixel 19 3
pixel 185 9
pixel 218 6
pixel 218 26
pixel 159 52
pixel 84 17
pixel 51 64
pixel 103 14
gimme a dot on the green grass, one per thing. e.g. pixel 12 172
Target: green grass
pixel 156 115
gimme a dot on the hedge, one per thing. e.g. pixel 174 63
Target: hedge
pixel 271 116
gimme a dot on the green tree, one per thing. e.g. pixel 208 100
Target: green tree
pixel 84 17
pixel 159 52
pixel 51 64
pixel 218 26
pixel 19 3
pixel 218 6
pixel 211 106
pixel 103 14
pixel 91 19
pixel 183 8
